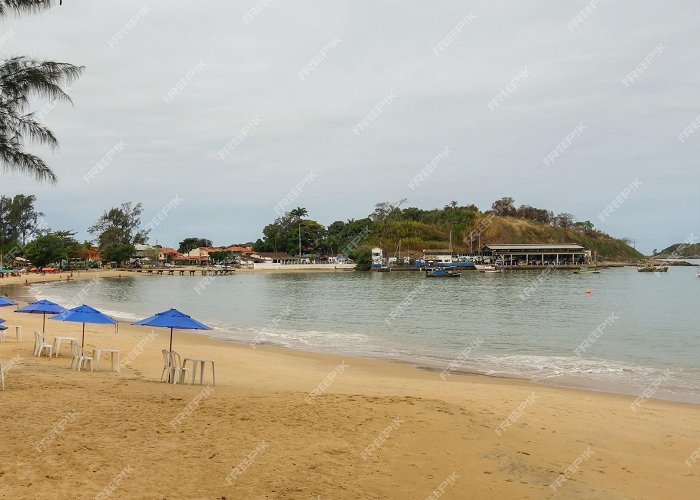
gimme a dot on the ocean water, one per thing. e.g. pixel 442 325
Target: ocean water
pixel 643 328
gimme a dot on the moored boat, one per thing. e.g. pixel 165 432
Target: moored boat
pixel 441 272
pixel 490 269
pixel 586 270
pixel 652 269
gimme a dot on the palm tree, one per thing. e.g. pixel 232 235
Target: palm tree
pixel 7 6
pixel 298 213
pixel 20 79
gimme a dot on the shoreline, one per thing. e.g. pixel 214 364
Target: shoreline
pixel 320 416
pixel 436 365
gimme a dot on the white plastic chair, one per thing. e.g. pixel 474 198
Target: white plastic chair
pixel 179 372
pixel 40 346
pixel 2 377
pixel 79 358
pixel 167 368
pixel 2 336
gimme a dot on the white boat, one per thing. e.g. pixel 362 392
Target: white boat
pixel 490 269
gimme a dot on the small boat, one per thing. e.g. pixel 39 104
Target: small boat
pixel 441 272
pixel 585 270
pixel 383 269
pixel 491 270
pixel 652 269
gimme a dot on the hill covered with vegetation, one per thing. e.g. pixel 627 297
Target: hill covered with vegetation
pixel 412 229
pixel 679 251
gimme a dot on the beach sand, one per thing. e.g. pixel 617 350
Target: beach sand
pixel 377 430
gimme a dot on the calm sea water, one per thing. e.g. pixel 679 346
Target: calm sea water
pixel 522 324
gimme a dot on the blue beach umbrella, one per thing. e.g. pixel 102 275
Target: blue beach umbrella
pixel 172 318
pixel 41 307
pixel 4 301
pixel 85 314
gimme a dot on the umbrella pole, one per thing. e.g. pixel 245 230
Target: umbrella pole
pixel 43 329
pixel 83 342
pixel 171 373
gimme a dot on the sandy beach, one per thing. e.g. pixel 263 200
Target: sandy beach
pixel 288 424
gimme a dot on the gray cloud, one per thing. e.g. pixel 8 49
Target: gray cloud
pixel 307 124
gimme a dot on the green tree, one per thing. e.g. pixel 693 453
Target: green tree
pixel 564 220
pixel 193 242
pixel 363 260
pixel 504 206
pixel 298 213
pixel 24 217
pixel 51 248
pixel 20 79
pixel 118 230
pixel 312 234
pixel 585 226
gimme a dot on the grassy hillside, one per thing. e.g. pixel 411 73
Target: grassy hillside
pixel 416 236
pixel 680 251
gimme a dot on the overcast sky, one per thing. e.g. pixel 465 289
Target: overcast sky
pixel 294 80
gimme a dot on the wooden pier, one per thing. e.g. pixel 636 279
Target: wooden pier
pixel 183 272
